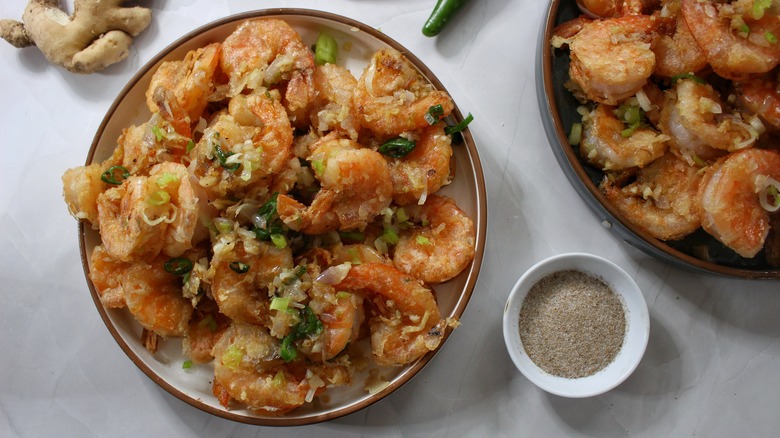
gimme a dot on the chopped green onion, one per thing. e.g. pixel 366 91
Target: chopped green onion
pixel 109 176
pixel 222 156
pixel 460 126
pixel 287 349
pixel 342 294
pixel 280 303
pixel 390 236
pixel 770 37
pixel 575 135
pixel 166 178
pixel 433 114
pixel 422 240
pixel 187 364
pixel 158 133
pixel 691 76
pixel 279 241
pixel 397 147
pixel 160 197
pixel 401 215
pixel 760 7
pixel 744 28
pixel 310 324
pixel 190 146
pixel 279 379
pixel 238 267
pixel 326 50
pixel 232 357
pixel 178 266
pixel 318 166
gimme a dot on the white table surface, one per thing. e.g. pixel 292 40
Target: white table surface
pixel 713 359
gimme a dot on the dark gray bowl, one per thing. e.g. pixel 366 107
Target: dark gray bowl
pixel 559 110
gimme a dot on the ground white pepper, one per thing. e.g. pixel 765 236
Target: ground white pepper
pixel 572 324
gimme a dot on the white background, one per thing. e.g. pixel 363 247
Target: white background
pixel 712 366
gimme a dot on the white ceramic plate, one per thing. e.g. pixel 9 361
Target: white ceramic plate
pixel 634 343
pixel 194 385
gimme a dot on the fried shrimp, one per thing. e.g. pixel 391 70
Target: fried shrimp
pixel 424 170
pixel 356 187
pixel 676 51
pixel 81 187
pixel 154 298
pixel 760 95
pixel 663 199
pixel 442 248
pixel 242 295
pixel 734 41
pixel 703 113
pixel 730 195
pixel 248 368
pixel 180 90
pixel 266 53
pixel 604 143
pixel 392 97
pixel 612 59
pixel 405 321
pixel 332 109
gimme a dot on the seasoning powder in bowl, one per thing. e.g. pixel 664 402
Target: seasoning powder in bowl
pixel 572 324
pixel 576 325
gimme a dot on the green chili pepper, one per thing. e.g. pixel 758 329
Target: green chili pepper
pixel 441 15
pixel 397 147
pixel 109 176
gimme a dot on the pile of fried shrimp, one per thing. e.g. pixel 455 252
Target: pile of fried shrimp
pixel 680 110
pixel 276 210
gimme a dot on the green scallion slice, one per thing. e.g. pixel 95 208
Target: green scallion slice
pixel 460 126
pixel 110 175
pixel 178 266
pixel 433 114
pixel 325 50
pixel 239 267
pixel 397 147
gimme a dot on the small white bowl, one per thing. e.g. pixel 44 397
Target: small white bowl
pixel 634 343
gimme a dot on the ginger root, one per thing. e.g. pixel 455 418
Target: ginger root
pixel 98 34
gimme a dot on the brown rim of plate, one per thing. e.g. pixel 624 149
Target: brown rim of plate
pixel 655 247
pixel 460 305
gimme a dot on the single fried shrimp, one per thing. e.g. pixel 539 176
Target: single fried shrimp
pixel 81 187
pixel 735 43
pixel 269 52
pixel 663 200
pixel 760 95
pixel 612 59
pixel 105 272
pixel 341 314
pixel 676 51
pixel 392 97
pixel 174 179
pixel 356 187
pixel 180 90
pixel 707 117
pixel 731 208
pixel 405 322
pixel 241 152
pixel 248 368
pixel 440 249
pixel 241 270
pixel 424 170
pixel 604 143
pixel 153 296
pixel 332 109
pixel 131 228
